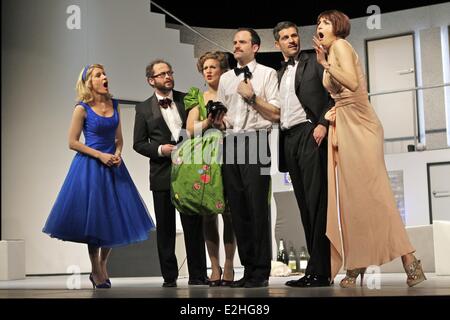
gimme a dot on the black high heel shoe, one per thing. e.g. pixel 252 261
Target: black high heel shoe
pixel 227 283
pixel 216 283
pixel 103 285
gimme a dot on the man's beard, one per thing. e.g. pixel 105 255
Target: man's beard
pixel 163 88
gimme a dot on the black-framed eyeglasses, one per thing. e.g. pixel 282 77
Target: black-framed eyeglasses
pixel 163 74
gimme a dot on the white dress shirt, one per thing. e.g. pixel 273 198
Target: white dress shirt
pixel 172 119
pixel 291 112
pixel 240 116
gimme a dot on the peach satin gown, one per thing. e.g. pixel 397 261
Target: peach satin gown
pixel 372 231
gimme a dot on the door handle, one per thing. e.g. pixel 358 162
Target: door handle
pixel 406 71
pixel 441 194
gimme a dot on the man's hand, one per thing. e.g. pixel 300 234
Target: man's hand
pixel 166 149
pixel 245 89
pixel 319 133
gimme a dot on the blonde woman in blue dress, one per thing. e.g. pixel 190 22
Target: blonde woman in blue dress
pixel 98 203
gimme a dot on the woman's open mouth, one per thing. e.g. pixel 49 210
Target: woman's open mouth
pixel 320 35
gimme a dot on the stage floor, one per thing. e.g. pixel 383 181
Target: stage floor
pixel 56 287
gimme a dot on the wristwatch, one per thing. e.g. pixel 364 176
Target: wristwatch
pixel 252 100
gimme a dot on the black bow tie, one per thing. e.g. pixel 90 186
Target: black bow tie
pixel 164 103
pixel 245 70
pixel 290 61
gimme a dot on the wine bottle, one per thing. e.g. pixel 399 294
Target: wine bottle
pixel 282 253
pixel 303 260
pixel 292 260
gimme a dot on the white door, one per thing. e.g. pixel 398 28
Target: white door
pixel 439 188
pixel 391 67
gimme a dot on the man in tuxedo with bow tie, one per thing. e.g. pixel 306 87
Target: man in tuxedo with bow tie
pixel 303 146
pixel 158 124
pixel 251 96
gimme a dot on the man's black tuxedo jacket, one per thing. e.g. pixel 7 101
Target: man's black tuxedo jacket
pixel 151 131
pixel 312 95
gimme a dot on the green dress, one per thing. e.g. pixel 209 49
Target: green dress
pixel 197 186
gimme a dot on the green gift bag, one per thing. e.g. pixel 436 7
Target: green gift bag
pixel 197 186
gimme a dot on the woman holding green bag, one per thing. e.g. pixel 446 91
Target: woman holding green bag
pixel 197 186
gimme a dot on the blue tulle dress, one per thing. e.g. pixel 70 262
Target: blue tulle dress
pixel 97 204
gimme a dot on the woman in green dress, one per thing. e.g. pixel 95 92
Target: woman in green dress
pixel 211 65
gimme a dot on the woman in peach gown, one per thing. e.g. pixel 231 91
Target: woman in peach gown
pixel 368 223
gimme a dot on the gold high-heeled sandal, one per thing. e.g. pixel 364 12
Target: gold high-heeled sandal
pixel 350 278
pixel 415 273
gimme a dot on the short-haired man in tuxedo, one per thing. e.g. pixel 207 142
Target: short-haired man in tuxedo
pixel 303 146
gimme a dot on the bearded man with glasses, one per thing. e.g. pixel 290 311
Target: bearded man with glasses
pixel 158 124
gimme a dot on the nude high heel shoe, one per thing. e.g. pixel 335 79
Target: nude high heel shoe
pixel 415 273
pixel 350 278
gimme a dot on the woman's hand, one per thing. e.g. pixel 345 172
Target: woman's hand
pixel 321 53
pixel 331 115
pixel 117 160
pixel 106 159
pixel 218 121
pixel 209 120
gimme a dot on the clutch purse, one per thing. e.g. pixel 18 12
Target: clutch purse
pixel 214 108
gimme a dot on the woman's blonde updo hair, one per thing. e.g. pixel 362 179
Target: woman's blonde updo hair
pixel 216 55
